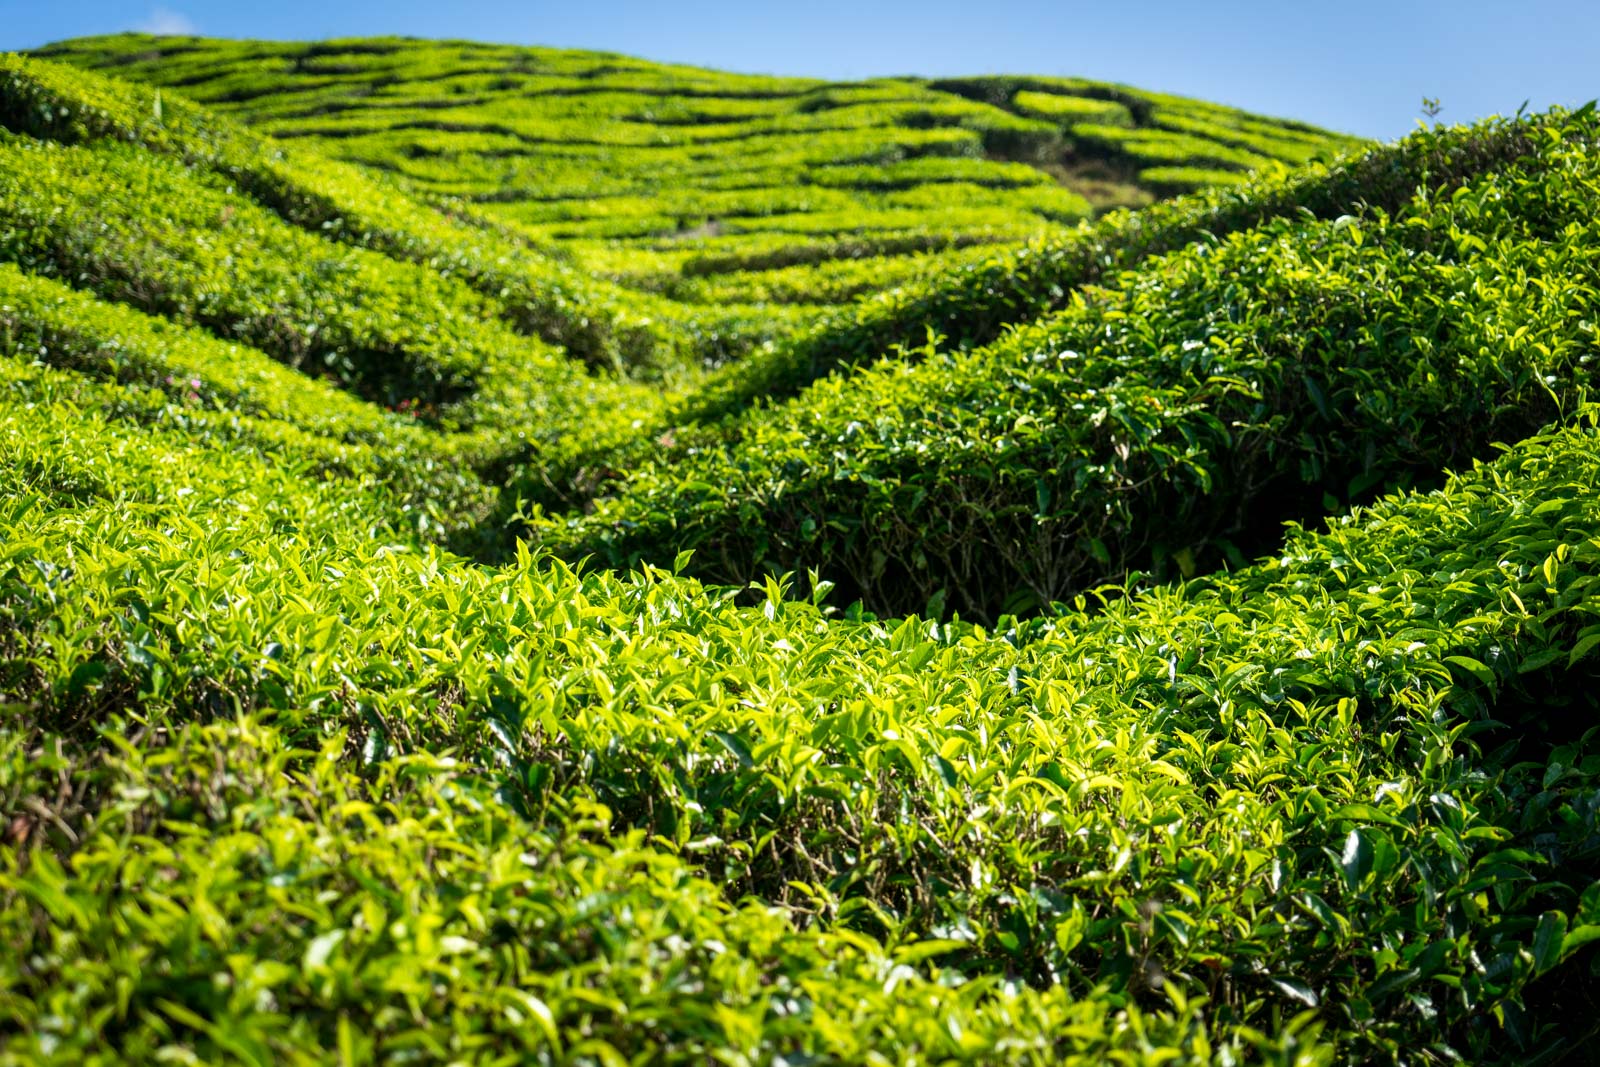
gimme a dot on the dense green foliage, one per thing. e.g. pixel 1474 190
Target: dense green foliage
pixel 397 316
pixel 1178 413
pixel 652 173
pixel 214 388
pixel 284 779
pixel 533 291
pixel 1143 135
pixel 1089 803
pixel 973 302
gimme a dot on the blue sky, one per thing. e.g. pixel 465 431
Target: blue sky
pixel 1359 65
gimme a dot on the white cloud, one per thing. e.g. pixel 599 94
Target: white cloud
pixel 165 22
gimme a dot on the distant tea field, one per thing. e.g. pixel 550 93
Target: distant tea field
pixel 713 188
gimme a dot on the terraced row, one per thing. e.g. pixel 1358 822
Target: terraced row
pixel 1155 140
pixel 635 165
pixel 1165 421
pixel 529 287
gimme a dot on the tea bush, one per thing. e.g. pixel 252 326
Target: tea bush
pixel 209 387
pixel 122 223
pixel 445 928
pixel 1122 128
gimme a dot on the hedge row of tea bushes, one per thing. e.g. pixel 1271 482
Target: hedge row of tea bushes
pixel 833 281
pixel 279 784
pixel 972 303
pixel 136 227
pixel 594 149
pixel 224 891
pixel 161 373
pixel 614 158
pixel 973 298
pixel 1159 425
pixel 1150 135
pixel 444 929
pixel 528 286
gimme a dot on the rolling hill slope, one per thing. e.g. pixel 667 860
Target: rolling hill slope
pixel 1175 415
pixel 715 187
pixel 286 779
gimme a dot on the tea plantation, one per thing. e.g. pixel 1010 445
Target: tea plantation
pixel 721 190
pixel 519 556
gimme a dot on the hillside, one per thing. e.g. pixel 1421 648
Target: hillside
pixel 1168 423
pixel 431 629
pixel 712 187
